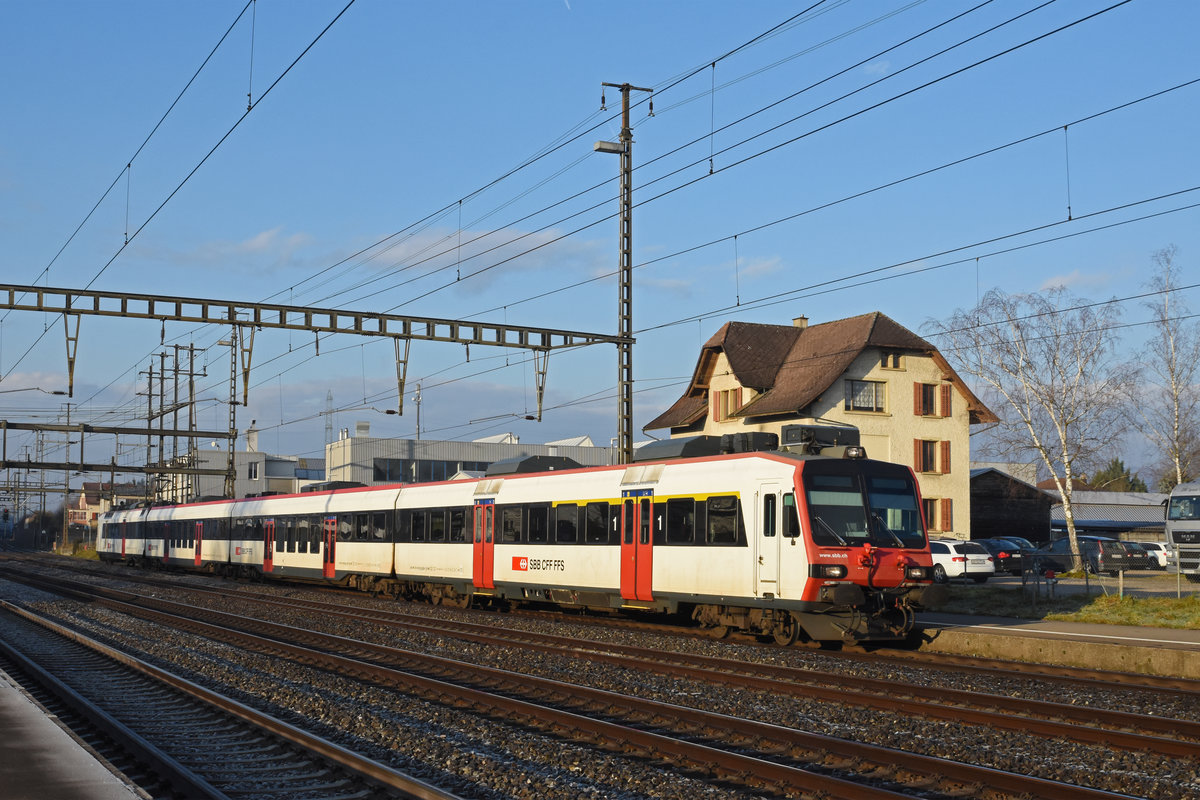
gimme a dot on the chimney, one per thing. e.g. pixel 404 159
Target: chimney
pixel 800 322
pixel 252 439
pixel 362 429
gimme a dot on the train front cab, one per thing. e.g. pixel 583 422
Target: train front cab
pixel 867 567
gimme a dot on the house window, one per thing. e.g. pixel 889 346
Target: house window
pixel 891 361
pixel 930 508
pixel 931 456
pixel 864 395
pixel 252 470
pixel 725 403
pixel 932 399
pixel 924 399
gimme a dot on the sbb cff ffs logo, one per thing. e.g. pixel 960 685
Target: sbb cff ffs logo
pixel 520 563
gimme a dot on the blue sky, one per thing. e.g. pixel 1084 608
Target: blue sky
pixel 402 110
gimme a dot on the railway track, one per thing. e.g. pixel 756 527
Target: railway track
pixel 900 656
pixel 176 739
pixel 759 755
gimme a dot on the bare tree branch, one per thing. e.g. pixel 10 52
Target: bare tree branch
pixel 1046 365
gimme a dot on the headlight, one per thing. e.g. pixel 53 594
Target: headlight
pixel 827 571
pixel 917 573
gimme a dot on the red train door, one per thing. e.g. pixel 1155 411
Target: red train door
pixel 268 545
pixel 168 531
pixel 637 543
pixel 483 560
pixel 123 524
pixel 199 540
pixel 327 558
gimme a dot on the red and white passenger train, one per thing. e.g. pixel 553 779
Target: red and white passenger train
pixel 770 542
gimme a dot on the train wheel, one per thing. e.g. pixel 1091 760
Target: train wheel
pixel 786 631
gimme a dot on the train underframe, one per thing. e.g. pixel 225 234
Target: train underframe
pixel 845 616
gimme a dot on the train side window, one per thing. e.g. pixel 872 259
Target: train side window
pixel 302 534
pixel 418 526
pixel 362 527
pixel 539 528
pixel 289 524
pixel 510 524
pixel 627 521
pixel 768 515
pixel 681 520
pixel 316 532
pixel 460 524
pixel 437 525
pixel 379 526
pixel 791 518
pixel 566 525
pixel 345 528
pixel 402 526
pixel 724 523
pixel 596 523
pixel 646 517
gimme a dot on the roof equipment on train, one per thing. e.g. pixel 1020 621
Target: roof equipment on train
pixel 698 446
pixel 522 464
pixel 330 486
pixel 816 439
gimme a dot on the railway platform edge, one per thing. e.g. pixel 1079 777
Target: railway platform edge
pixel 42 761
pixel 1167 652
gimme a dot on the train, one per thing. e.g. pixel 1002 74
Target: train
pixel 822 546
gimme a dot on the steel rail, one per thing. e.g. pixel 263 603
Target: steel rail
pixel 343 757
pixel 781 738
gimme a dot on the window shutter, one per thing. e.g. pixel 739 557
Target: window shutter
pixel 945 457
pixel 716 404
pixel 947 394
pixel 947 515
pixel 737 400
pixel 917 465
pixel 917 409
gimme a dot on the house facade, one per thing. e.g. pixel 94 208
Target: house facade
pixel 869 372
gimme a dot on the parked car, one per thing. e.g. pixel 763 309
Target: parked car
pixel 1006 555
pixel 958 559
pixel 1160 556
pixel 1023 544
pixel 1141 558
pixel 1099 554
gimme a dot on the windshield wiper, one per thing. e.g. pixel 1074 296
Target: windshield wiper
pixel 899 542
pixel 832 532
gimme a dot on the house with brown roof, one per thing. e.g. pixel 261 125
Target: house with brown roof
pixel 869 372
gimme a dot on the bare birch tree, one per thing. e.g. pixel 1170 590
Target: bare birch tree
pixel 1169 409
pixel 1046 365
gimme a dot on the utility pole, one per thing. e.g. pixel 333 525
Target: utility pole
pixel 231 469
pixel 625 272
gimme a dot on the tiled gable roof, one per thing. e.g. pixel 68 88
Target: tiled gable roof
pixel 790 367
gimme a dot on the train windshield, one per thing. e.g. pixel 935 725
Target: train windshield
pixel 893 503
pixel 889 517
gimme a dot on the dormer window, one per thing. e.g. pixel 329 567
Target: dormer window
pixel 725 403
pixel 891 360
